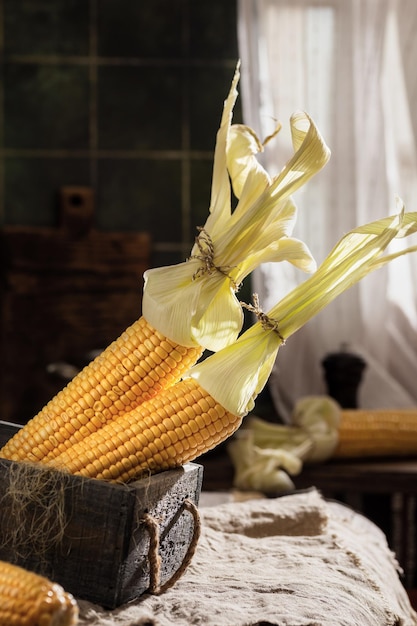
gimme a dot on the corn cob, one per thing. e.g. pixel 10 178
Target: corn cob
pixel 373 433
pixel 167 431
pixel 193 303
pixel 132 369
pixel 27 599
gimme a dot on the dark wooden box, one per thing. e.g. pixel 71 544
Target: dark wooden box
pixel 103 555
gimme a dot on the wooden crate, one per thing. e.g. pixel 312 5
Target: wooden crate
pixel 103 555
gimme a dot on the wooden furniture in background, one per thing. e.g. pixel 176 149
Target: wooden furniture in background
pixel 65 292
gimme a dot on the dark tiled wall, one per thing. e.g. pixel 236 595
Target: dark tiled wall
pixel 124 96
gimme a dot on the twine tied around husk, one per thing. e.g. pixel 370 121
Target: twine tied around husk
pixel 206 256
pixel 152 526
pixel 268 323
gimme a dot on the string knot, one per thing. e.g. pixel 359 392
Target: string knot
pixel 268 323
pixel 206 256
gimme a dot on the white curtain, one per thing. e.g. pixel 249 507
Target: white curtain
pixel 350 64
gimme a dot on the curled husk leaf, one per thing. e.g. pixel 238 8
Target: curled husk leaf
pixel 195 302
pixel 266 454
pixel 235 375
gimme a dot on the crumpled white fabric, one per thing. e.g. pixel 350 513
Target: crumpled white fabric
pixel 296 560
pixel 265 454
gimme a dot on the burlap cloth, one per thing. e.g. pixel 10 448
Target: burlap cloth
pixel 297 560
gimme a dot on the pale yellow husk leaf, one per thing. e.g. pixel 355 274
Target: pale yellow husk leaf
pixel 235 375
pixel 194 303
pixel 265 453
pixel 261 469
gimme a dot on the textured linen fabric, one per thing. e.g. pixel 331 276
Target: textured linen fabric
pixel 296 560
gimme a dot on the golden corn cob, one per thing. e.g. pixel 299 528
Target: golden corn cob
pixel 372 433
pixel 135 367
pixel 27 599
pixel 194 301
pixel 173 428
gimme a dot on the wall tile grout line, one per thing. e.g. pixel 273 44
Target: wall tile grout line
pixel 93 108
pixel 58 59
pixel 185 136
pixel 106 154
pixel 2 159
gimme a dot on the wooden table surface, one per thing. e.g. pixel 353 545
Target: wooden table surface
pixel 362 475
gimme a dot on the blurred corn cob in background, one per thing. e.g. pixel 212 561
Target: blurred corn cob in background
pixel 190 306
pixel 376 433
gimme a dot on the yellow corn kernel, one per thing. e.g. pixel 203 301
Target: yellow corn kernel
pixel 27 599
pixel 107 380
pixel 151 437
pixel 373 433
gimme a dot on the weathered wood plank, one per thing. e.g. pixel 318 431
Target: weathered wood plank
pixel 41 249
pixel 7 430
